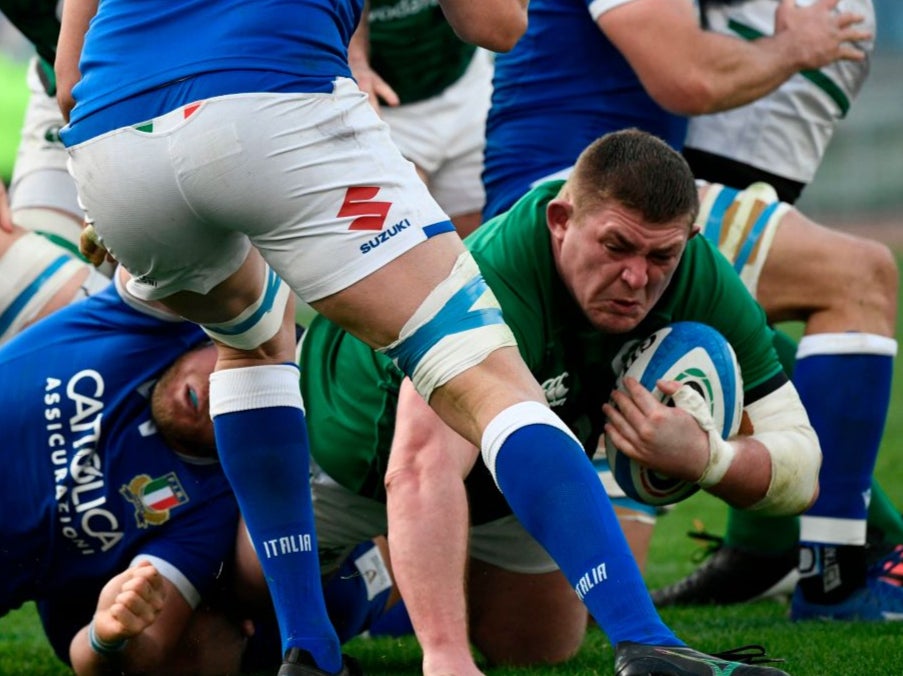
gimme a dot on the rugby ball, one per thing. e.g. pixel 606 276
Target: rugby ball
pixel 697 356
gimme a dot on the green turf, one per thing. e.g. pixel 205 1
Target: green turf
pixel 810 649
pixel 12 109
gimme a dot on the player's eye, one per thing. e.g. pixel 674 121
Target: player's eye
pixel 193 396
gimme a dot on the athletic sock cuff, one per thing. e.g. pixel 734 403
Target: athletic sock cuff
pixel 846 343
pixel 253 387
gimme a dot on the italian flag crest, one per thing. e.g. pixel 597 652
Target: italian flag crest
pixel 153 499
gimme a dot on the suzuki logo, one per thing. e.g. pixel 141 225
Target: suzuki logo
pixel 367 215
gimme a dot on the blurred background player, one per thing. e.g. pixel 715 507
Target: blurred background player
pixel 433 90
pixel 42 194
pixel 586 68
pixel 40 265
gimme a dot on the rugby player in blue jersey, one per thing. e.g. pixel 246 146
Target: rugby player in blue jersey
pixel 323 200
pixel 110 525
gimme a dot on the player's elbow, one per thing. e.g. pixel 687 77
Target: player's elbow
pixel 496 37
pixel 504 41
pixel 687 95
pixel 794 474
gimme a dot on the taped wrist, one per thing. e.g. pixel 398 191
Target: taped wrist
pixel 721 452
pixel 102 647
pixel 721 455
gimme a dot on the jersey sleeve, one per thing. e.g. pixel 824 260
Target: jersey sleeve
pixel 192 550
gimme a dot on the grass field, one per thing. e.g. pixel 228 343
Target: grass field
pixel 12 109
pixel 810 649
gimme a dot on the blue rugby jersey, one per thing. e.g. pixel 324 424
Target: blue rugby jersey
pixel 88 484
pixel 562 86
pixel 181 52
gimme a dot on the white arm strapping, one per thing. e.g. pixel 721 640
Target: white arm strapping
pixel 781 424
pixel 721 452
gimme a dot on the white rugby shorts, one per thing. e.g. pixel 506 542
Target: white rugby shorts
pixel 313 181
pixel 40 178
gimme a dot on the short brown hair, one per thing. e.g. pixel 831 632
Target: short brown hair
pixel 638 171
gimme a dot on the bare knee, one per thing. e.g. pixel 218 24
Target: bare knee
pixel 886 275
pixel 420 473
pixel 406 479
pixel 522 619
pixel 834 281
pixel 871 291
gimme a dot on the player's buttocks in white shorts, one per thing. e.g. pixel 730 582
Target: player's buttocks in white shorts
pixel 340 200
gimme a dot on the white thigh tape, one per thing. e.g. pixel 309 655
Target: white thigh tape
pixel 452 352
pixel 32 271
pixel 259 322
pixel 742 224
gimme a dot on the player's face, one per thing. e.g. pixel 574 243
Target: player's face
pixel 615 264
pixel 180 402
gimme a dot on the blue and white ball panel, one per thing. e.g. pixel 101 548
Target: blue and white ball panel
pixel 697 356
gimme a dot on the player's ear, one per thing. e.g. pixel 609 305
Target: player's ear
pixel 694 230
pixel 558 215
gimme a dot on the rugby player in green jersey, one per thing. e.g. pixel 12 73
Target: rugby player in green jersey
pixel 580 268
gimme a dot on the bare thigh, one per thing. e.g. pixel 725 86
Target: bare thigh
pixel 832 280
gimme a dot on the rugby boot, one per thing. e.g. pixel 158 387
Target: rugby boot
pixel 298 662
pixel 732 575
pixel 637 659
pixel 890 567
pixel 878 601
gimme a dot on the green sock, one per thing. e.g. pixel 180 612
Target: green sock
pixel 884 516
pixel 786 347
pixel 764 534
pixel 751 530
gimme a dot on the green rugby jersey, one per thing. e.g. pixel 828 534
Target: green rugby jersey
pixel 38 22
pixel 414 48
pixel 350 392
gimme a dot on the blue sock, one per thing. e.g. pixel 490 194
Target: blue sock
pixel 356 593
pixel 844 382
pixel 262 442
pixel 555 492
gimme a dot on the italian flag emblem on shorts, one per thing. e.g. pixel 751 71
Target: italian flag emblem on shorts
pixel 168 120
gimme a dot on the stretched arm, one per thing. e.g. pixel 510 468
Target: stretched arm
pixel 493 24
pixel 76 16
pixel 690 71
pixel 368 79
pixel 772 467
pixel 428 527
